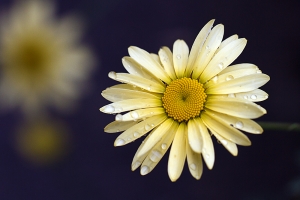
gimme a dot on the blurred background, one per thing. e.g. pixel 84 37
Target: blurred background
pixel 59 153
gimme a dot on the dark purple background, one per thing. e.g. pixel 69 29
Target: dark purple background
pixel 269 169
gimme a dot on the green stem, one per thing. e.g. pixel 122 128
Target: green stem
pixel 279 126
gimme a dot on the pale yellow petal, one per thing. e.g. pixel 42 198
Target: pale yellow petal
pixel 235 107
pixel 208 151
pixel 230 146
pixel 156 136
pixel 155 57
pixel 223 58
pixel 194 136
pixel 142 113
pixel 116 94
pixel 139 129
pixel 226 131
pixel 134 88
pixel 247 125
pixel 232 74
pixel 254 95
pixel 226 41
pixel 194 161
pixel 180 57
pixel 197 46
pixel 159 150
pixel 242 84
pixel 117 126
pixel 235 67
pixel 130 104
pixel 178 153
pixel 166 58
pixel 145 59
pixel 208 50
pixel 136 69
pixel 138 81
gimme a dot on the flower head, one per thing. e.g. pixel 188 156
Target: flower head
pixel 41 59
pixel 184 98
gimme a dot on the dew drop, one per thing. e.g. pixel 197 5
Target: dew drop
pixel 147 127
pixel 231 95
pixel 221 65
pixel 144 170
pixel 119 142
pixel 253 96
pixel 207 47
pixel 215 79
pixel 134 114
pixel 206 155
pixel 119 117
pixel 163 145
pixel 112 75
pixel 193 166
pixel 239 125
pixel 155 156
pixel 245 97
pixel 229 77
pixel 136 134
pixel 109 109
pixel 258 71
pixel 178 56
pixel 152 125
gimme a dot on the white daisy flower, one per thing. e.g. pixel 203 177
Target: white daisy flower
pixel 183 98
pixel 41 59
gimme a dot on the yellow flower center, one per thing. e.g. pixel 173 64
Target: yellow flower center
pixel 184 99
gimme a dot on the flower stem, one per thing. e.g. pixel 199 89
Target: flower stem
pixel 279 126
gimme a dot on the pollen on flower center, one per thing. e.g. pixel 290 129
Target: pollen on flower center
pixel 184 99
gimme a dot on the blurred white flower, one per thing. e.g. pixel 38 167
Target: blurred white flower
pixel 41 59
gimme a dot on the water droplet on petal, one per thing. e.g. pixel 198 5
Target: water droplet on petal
pixel 134 114
pixel 152 125
pixel 245 97
pixel 155 156
pixel 253 96
pixel 145 170
pixel 224 142
pixel 207 47
pixel 119 142
pixel 229 77
pixel 112 75
pixel 109 109
pixel 193 166
pixel 206 155
pixel 119 117
pixel 215 79
pixel 136 134
pixel 221 65
pixel 163 145
pixel 178 56
pixel 258 71
pixel 147 127
pixel 239 125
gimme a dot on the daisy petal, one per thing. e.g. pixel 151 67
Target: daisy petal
pixel 223 58
pixel 136 69
pixel 130 104
pixel 156 136
pixel 117 126
pixel 244 70
pixel 208 151
pixel 235 107
pixel 139 129
pixel 230 146
pixel 180 57
pixel 194 136
pixel 141 82
pixel 226 131
pixel 194 162
pixel 247 125
pixel 142 113
pixel 233 68
pixel 116 94
pixel 134 88
pixel 226 41
pixel 178 153
pixel 254 95
pixel 144 59
pixel 159 150
pixel 155 57
pixel 166 58
pixel 197 46
pixel 208 50
pixel 242 84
